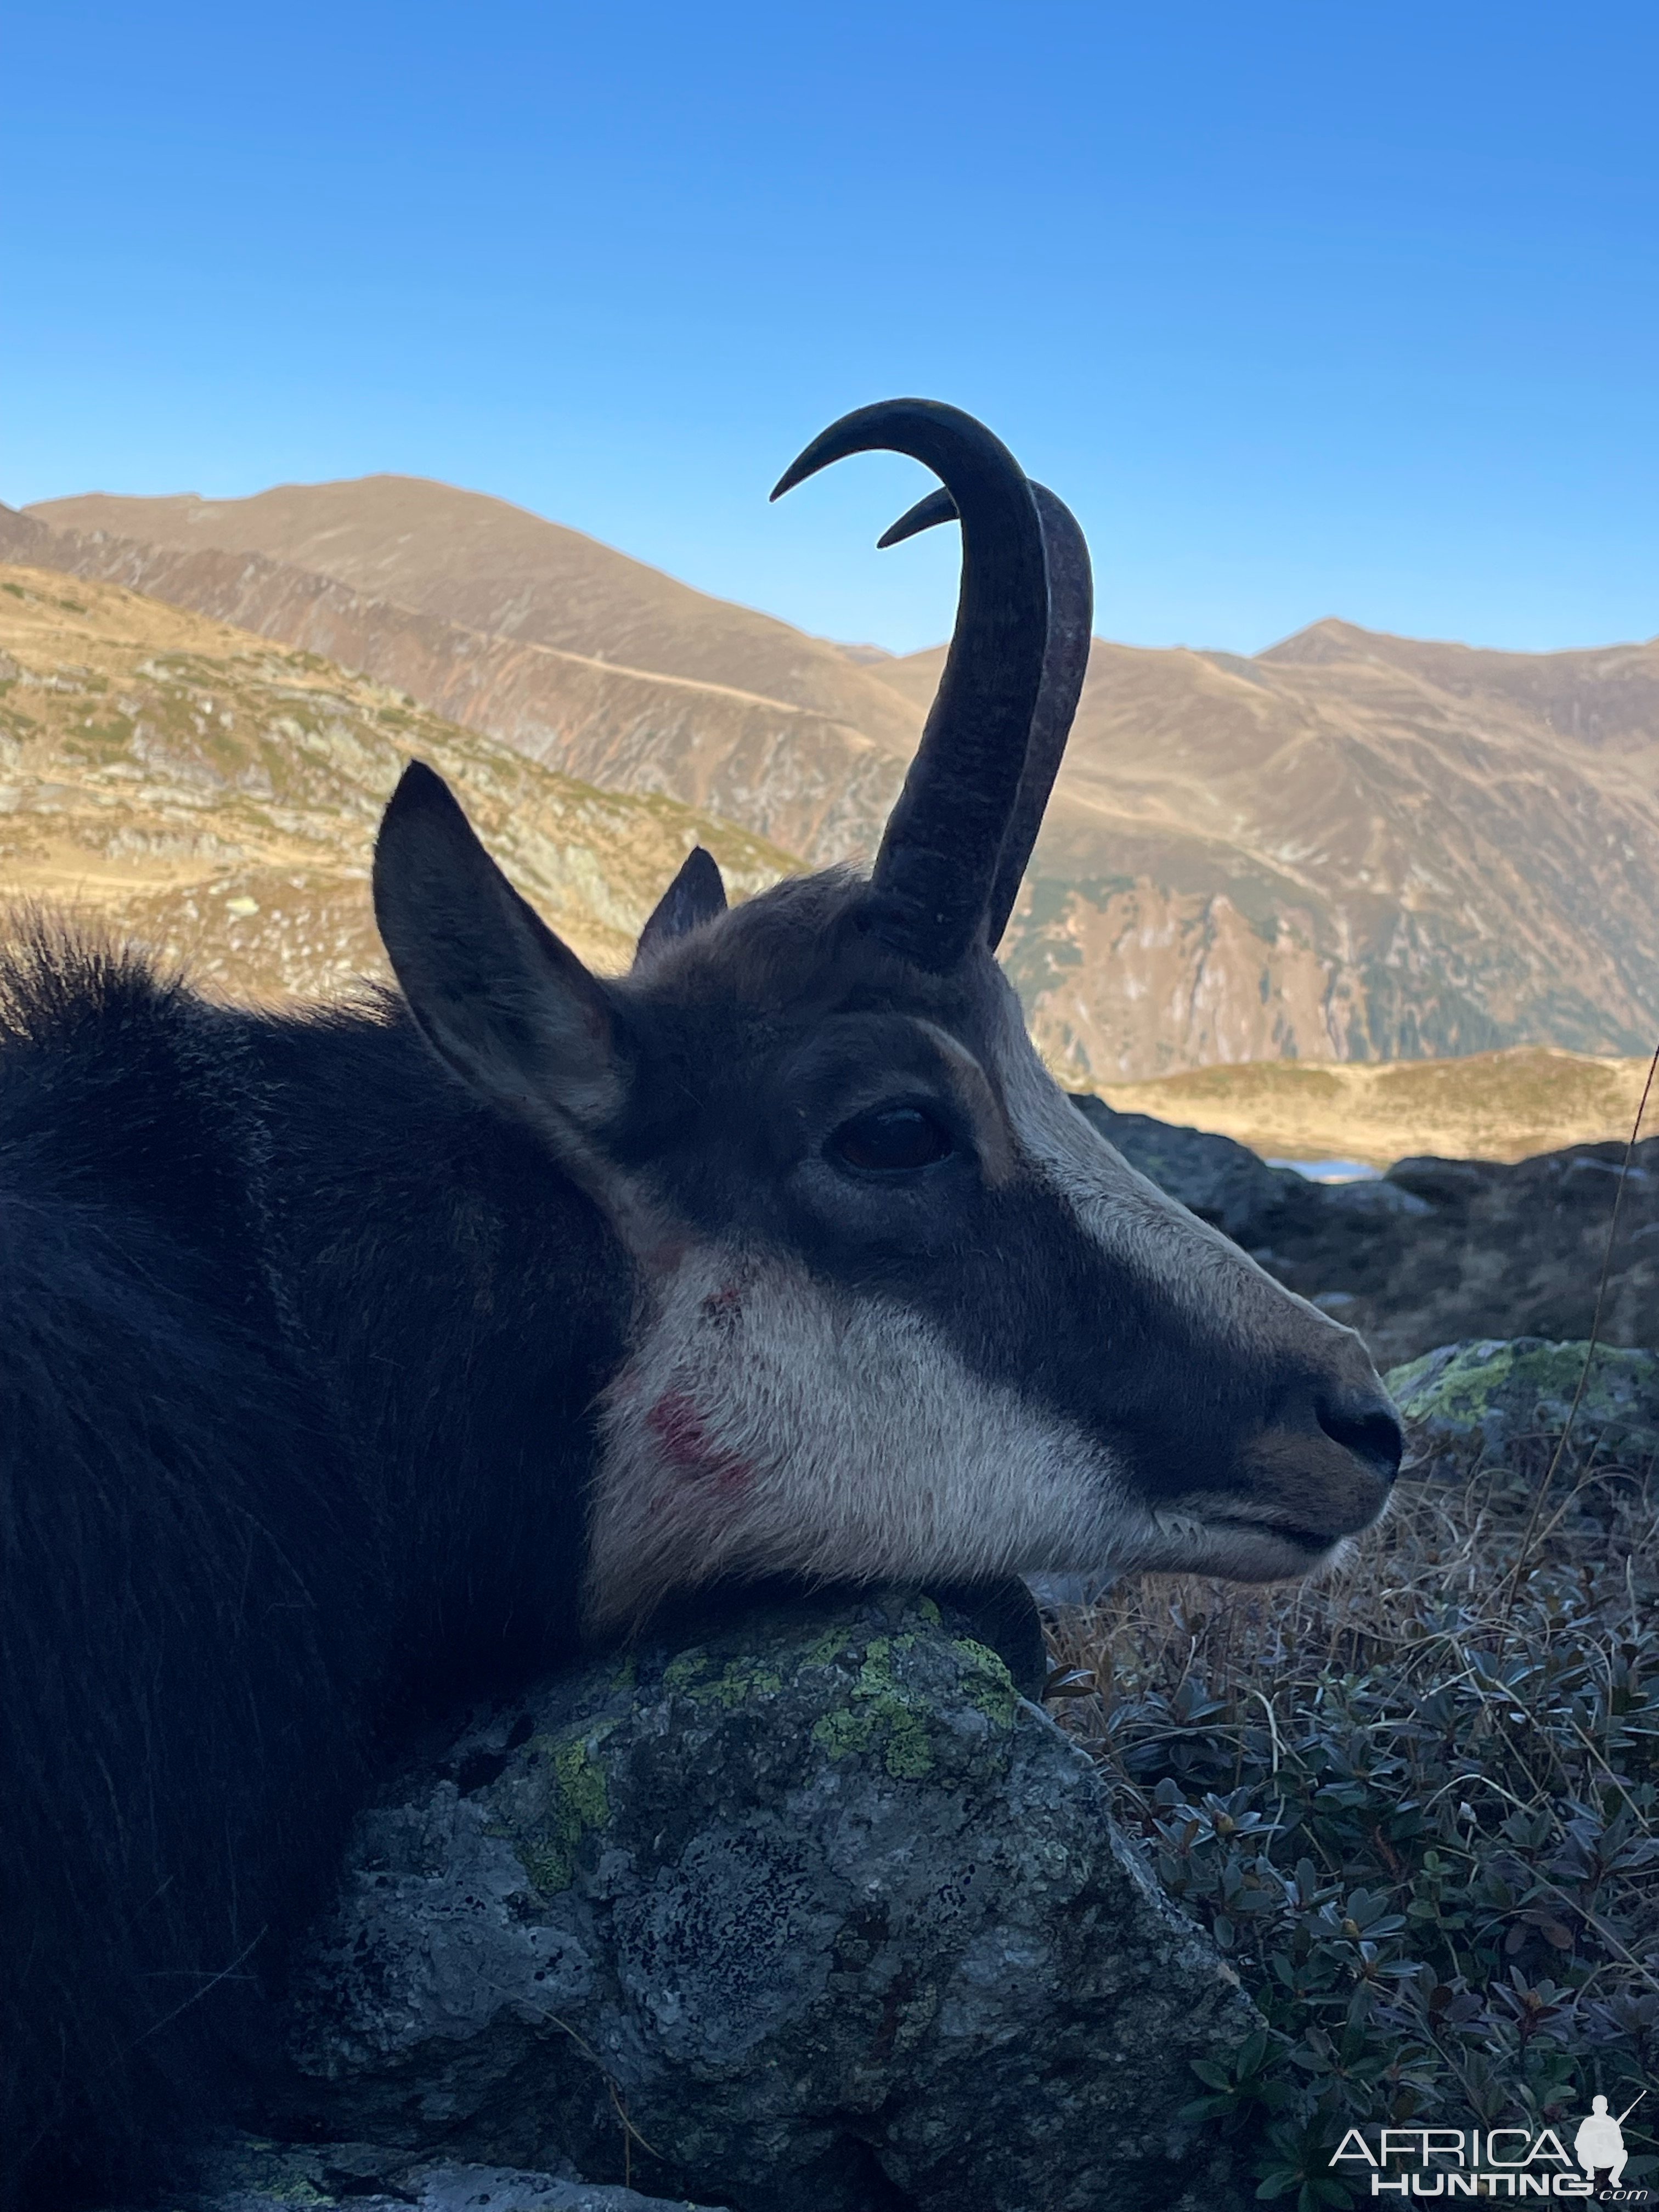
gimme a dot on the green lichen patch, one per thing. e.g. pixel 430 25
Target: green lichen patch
pixel 834 1643
pixel 569 1780
pixel 848 1731
pixel 738 1681
pixel 1484 1394
pixel 908 1756
pixel 883 1710
pixel 741 1680
pixel 680 1674
pixel 273 2173
pixel 988 1686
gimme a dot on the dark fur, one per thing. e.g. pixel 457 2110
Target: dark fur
pixel 300 1343
pixel 297 1347
pixel 300 1349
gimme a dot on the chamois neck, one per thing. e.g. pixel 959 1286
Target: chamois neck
pixel 462 1303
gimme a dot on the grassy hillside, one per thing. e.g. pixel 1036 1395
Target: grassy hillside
pixel 1351 847
pixel 1491 1106
pixel 470 559
pixel 216 796
pixel 795 774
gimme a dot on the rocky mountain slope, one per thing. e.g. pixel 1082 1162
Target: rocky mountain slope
pixel 1349 848
pixel 810 783
pixel 216 796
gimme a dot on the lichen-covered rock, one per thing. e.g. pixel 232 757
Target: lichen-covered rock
pixel 1469 1404
pixel 252 2175
pixel 817 1913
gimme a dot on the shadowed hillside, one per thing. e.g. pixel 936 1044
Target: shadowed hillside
pixel 1350 847
pixel 217 797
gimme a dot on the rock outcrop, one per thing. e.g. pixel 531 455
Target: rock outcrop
pixel 1469 1406
pixel 815 1912
pixel 253 2174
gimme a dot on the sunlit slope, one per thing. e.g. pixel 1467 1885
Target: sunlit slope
pixel 1351 847
pixel 806 780
pixel 216 796
pixel 1491 1106
pixel 470 559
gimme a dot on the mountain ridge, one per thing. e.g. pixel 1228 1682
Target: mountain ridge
pixel 1349 847
pixel 597 720
pixel 471 558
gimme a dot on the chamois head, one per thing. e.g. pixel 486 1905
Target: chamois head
pixel 901 1313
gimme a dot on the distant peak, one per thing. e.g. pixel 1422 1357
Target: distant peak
pixel 1330 639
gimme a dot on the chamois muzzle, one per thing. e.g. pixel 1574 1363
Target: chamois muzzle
pixel 1365 1423
pixel 1320 1470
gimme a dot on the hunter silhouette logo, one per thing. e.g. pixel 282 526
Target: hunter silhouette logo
pixel 1489 2162
pixel 1600 2143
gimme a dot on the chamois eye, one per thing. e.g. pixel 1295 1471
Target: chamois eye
pixel 892 1140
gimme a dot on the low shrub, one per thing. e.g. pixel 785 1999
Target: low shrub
pixel 1417 1803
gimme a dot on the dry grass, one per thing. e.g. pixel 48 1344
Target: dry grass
pixel 1417 1802
pixel 215 797
pixel 1488 1106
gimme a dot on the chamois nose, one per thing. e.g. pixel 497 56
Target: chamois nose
pixel 1364 1423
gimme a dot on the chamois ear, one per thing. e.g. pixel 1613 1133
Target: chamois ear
pixel 695 895
pixel 512 1010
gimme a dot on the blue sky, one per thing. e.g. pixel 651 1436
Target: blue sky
pixel 1307 309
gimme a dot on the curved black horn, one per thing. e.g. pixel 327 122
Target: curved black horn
pixel 930 510
pixel 1065 664
pixel 938 861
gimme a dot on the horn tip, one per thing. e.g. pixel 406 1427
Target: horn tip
pixel 804 465
pixel 935 507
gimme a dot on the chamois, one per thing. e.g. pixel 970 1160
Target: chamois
pixel 355 1358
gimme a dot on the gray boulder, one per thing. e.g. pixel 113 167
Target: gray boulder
pixel 816 1912
pixel 1221 1182
pixel 1467 1405
pixel 253 2175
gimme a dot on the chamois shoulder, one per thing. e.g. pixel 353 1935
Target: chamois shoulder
pixel 114 1078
